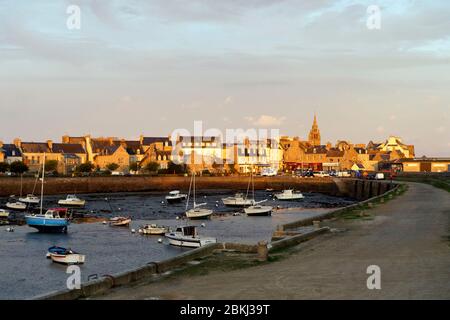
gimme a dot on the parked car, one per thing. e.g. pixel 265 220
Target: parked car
pixel 269 172
pixel 307 173
pixel 321 174
pixel 343 174
pixel 379 176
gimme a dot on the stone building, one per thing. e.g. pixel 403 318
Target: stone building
pixel 68 155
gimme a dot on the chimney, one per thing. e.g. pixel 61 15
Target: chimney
pixel 65 139
pixel 141 139
pixel 110 141
pixel 50 144
pixel 18 143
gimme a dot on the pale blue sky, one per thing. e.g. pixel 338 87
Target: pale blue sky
pixel 152 66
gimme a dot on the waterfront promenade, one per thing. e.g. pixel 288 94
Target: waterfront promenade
pixel 408 238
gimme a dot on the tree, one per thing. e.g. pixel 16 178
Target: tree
pixel 176 168
pixel 51 165
pixel 4 167
pixel 152 166
pixel 134 166
pixel 112 166
pixel 85 167
pixel 231 168
pixel 18 167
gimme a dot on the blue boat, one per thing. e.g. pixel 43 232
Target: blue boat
pixel 53 220
pixel 56 250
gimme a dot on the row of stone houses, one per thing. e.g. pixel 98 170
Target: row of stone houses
pixel 211 153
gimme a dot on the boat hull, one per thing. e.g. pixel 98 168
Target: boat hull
pixel 175 200
pixel 237 203
pixel 289 198
pixel 73 258
pixel 16 205
pixel 202 214
pixel 66 203
pixel 155 231
pixel 189 242
pixel 47 225
pixel 120 223
pixel 261 211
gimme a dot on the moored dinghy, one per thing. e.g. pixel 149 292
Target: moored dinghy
pixel 119 222
pixel 153 229
pixel 67 256
pixel 55 250
pixel 175 196
pixel 187 237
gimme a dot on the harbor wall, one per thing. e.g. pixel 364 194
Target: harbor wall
pixel 385 188
pixel 359 189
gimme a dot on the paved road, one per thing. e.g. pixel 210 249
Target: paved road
pixel 406 240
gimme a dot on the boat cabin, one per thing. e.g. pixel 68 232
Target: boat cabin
pixel 56 213
pixel 188 230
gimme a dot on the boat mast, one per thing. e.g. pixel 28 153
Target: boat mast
pixel 21 184
pixel 194 190
pixel 42 186
pixel 189 193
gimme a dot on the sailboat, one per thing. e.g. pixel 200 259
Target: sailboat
pixel 31 198
pixel 53 220
pixel 196 212
pixel 257 209
pixel 17 205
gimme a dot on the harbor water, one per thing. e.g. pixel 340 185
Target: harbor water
pixel 27 273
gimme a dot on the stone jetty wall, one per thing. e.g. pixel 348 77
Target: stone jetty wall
pixel 358 189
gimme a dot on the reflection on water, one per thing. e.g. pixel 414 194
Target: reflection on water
pixel 26 272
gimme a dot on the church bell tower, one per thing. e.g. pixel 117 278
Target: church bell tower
pixel 314 134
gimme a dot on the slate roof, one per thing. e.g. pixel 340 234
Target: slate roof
pixel 146 141
pixel 10 150
pixel 35 147
pixel 68 148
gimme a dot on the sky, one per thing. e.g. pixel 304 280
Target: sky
pixel 149 67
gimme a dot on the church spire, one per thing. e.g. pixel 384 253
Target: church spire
pixel 314 134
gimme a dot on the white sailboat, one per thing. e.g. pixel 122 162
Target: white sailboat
pixel 196 212
pixel 31 198
pixel 17 205
pixel 257 209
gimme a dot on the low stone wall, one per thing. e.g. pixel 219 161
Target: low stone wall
pixel 295 239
